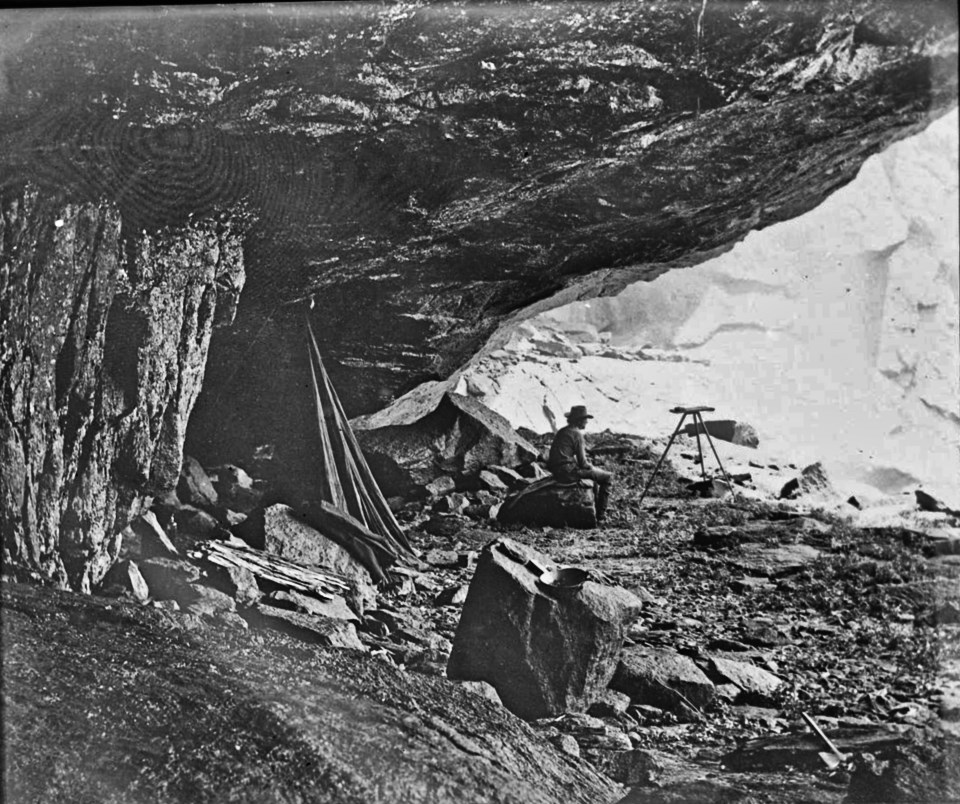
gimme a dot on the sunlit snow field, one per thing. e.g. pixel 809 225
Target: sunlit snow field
pixel 835 334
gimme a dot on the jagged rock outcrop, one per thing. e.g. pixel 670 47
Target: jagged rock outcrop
pixel 433 434
pixel 427 170
pixel 103 345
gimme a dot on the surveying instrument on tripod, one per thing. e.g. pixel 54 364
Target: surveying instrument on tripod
pixel 696 413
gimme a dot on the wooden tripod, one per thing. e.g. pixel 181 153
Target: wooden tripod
pixel 696 414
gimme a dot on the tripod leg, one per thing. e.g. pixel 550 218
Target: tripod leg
pixel 657 467
pixel 725 475
pixel 697 424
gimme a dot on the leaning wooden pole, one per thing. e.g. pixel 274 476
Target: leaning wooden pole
pixel 374 511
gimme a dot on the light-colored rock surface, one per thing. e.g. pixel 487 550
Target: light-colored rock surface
pixel 835 334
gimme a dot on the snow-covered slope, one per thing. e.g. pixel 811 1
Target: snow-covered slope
pixel 835 334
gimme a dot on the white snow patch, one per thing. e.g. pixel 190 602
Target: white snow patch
pixel 835 335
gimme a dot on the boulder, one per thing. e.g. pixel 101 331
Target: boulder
pixel 756 685
pixel 813 480
pixel 281 531
pixel 544 654
pixel 236 490
pixel 180 581
pixel 547 503
pixel 145 538
pixel 431 433
pixel 453 595
pixel 490 481
pixel 207 602
pixel 557 348
pixel 483 689
pixel 578 332
pixel 452 504
pixel 325 631
pixel 927 502
pixel 335 609
pixel 761 633
pixel 661 678
pixel 511 477
pixel 532 470
pixel 392 619
pixel 645 767
pixel 440 486
pixel 735 432
pixel 444 525
pixel 711 488
pixel 170 579
pixel 610 704
pixel 124 577
pixel 195 524
pixel 442 558
pixel 774 562
pixel 239 583
pixel 194 486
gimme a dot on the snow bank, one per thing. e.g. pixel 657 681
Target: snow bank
pixel 835 335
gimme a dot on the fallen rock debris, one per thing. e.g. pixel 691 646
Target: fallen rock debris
pixel 710 635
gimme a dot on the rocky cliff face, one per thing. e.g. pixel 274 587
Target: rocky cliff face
pixel 424 170
pixel 103 345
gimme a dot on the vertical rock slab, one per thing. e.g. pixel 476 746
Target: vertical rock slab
pixel 543 654
pixel 103 346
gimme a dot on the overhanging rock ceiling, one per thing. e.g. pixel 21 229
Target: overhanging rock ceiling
pixel 424 170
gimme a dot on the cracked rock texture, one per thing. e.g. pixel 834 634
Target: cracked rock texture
pixel 427 170
pixel 103 345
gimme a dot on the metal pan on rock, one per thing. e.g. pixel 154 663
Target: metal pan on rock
pixel 560 580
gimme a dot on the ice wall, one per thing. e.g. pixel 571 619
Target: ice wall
pixel 835 334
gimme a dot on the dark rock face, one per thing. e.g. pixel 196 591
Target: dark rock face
pixel 426 170
pixel 103 345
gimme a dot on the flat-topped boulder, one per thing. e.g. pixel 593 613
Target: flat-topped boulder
pixel 545 653
pixel 547 503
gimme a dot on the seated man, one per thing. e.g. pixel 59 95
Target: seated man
pixel 568 458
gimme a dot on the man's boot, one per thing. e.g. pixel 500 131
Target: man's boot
pixel 602 497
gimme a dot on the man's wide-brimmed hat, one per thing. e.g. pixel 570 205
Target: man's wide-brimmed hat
pixel 578 413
